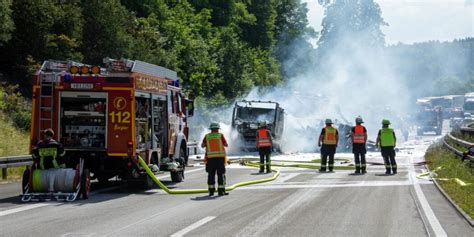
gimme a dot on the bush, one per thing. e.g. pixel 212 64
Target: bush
pixel 15 106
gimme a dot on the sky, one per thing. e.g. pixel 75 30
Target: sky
pixel 416 20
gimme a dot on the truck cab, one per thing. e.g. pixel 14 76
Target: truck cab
pixel 247 115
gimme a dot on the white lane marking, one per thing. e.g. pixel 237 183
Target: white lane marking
pixel 77 234
pixel 193 226
pixel 425 206
pixel 24 208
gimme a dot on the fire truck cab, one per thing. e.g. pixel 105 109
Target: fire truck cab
pixel 108 116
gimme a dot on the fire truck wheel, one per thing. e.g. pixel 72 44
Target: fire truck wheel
pixel 85 184
pixel 178 176
pixel 26 180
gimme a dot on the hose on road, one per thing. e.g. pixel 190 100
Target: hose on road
pixel 257 164
pixel 193 191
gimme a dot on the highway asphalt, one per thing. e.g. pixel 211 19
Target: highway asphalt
pixel 301 202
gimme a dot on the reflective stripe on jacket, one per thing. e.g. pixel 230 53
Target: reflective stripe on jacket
pixel 48 152
pixel 359 135
pixel 386 137
pixel 263 140
pixel 329 136
pixel 214 146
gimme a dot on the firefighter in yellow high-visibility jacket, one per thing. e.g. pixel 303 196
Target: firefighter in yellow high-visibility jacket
pixel 215 159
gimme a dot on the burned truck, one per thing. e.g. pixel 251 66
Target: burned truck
pixel 246 117
pixel 429 120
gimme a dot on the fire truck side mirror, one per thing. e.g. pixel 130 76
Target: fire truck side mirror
pixel 189 108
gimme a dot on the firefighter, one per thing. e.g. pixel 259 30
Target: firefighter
pixel 49 153
pixel 387 140
pixel 359 138
pixel 215 159
pixel 329 138
pixel 264 146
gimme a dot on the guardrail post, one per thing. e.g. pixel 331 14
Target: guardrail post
pixel 4 173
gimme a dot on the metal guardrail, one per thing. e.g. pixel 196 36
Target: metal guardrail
pixel 14 161
pixel 469 129
pixel 454 150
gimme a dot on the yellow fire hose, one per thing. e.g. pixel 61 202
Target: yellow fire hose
pixel 193 191
pixel 299 165
pixel 457 180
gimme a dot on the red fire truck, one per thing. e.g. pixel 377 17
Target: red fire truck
pixel 109 115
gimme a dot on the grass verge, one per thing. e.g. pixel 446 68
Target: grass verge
pixel 12 142
pixel 452 167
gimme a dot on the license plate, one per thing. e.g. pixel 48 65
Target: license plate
pixel 82 86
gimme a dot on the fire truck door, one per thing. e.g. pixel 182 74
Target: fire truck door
pixel 120 130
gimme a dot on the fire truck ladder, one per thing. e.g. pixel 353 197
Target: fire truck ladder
pixel 46 102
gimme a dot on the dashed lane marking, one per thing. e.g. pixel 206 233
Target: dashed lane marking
pixel 194 226
pixel 23 208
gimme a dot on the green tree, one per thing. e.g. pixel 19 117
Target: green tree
pixel 292 32
pixel 107 26
pixel 356 21
pixel 190 37
pixel 261 33
pixel 7 25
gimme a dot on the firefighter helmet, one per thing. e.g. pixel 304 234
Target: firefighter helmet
pixel 262 123
pixel 385 122
pixel 359 119
pixel 214 126
pixel 328 121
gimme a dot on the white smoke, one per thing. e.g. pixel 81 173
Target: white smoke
pixel 354 80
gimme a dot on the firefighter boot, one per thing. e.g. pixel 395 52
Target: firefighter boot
pixel 387 171
pixel 269 169
pixel 212 189
pixel 222 192
pixel 394 170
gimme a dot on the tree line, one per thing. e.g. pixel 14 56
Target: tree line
pixel 220 48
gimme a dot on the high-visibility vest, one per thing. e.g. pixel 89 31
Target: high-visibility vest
pixel 329 136
pixel 48 152
pixel 262 139
pixel 214 146
pixel 386 137
pixel 359 135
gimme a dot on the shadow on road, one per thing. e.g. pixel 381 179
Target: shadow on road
pixel 204 198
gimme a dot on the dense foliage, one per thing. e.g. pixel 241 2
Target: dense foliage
pixel 220 48
pixel 223 48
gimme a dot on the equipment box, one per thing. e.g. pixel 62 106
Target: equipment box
pixel 83 119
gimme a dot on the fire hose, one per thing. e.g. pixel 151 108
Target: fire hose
pixel 432 174
pixel 193 191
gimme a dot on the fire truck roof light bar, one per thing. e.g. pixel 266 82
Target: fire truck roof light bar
pixel 65 65
pixel 140 67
